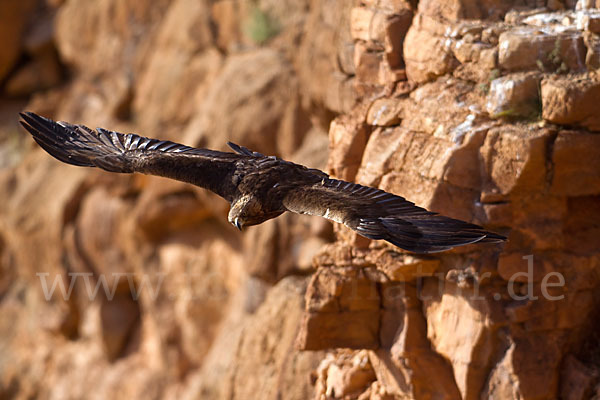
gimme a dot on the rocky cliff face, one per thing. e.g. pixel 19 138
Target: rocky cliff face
pixel 137 287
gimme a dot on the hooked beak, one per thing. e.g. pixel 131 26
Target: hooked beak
pixel 238 224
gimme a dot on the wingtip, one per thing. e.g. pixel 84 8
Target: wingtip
pixel 32 118
pixel 29 114
pixel 492 237
pixel 25 116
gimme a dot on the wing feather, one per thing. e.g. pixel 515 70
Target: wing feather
pixel 377 214
pixel 127 153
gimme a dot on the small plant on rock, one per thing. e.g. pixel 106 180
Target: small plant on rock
pixel 484 87
pixel 553 62
pixel 259 26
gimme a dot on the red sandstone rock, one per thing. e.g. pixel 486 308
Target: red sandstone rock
pixel 344 376
pixel 515 95
pixel 347 141
pixel 327 32
pixel 225 322
pixel 227 15
pixel 592 57
pixel 384 112
pixel 14 15
pixel 342 312
pixel 404 268
pixel 576 162
pixel 456 10
pixel 39 74
pixel 516 158
pixel 388 5
pixel 590 22
pixel 571 101
pixel 406 362
pixel 466 314
pixel 369 65
pixel 427 53
pixel 280 128
pixel 578 380
pixel 529 49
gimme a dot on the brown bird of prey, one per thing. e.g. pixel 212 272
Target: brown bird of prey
pixel 259 187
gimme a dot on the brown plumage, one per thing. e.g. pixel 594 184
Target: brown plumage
pixel 259 187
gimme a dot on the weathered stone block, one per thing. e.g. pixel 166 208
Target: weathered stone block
pixel 576 160
pixel 515 95
pixel 347 140
pixel 427 54
pixel 592 57
pixel 384 112
pixel 342 311
pixel 533 49
pixel 572 101
pixel 472 342
pixel 515 160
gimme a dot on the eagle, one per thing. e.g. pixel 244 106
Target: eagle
pixel 259 187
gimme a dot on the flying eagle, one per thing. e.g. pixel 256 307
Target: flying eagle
pixel 259 187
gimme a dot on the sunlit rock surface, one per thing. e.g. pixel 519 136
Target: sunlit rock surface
pixel 137 287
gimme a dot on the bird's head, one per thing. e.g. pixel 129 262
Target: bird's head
pixel 245 211
pixel 248 211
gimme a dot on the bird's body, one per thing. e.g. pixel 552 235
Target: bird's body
pixel 259 187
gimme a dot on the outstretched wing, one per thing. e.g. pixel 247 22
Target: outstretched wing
pixel 376 214
pixel 127 153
